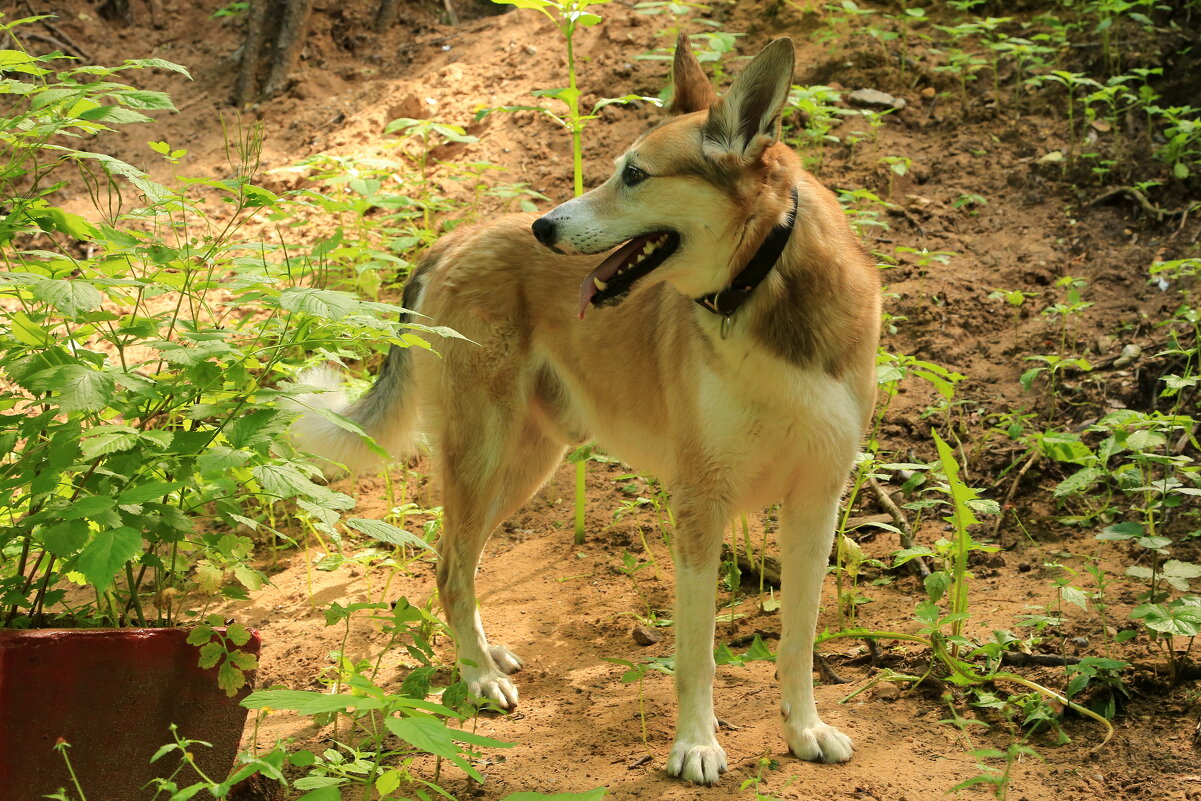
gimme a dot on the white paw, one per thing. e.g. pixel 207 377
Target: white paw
pixel 491 684
pixel 506 660
pixel 820 743
pixel 700 763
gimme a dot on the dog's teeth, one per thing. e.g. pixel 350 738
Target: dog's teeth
pixel 601 286
pixel 649 247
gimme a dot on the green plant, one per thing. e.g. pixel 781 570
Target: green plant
pixel 818 108
pixel 141 352
pixel 1182 131
pixel 568 16
pixel 425 134
pixel 231 9
pixel 945 612
pixel 1073 82
pixel 420 726
pixel 637 673
pixel 897 165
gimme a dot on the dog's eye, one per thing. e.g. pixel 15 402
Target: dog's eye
pixel 632 175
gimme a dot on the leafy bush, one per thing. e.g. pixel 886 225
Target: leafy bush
pixel 141 352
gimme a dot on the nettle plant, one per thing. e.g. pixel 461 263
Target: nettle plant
pixel 141 352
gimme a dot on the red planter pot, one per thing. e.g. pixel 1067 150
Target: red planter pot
pixel 111 694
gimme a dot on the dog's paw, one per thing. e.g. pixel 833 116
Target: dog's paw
pixel 506 660
pixel 820 743
pixel 492 685
pixel 700 763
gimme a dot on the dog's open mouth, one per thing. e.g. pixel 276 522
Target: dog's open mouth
pixel 609 283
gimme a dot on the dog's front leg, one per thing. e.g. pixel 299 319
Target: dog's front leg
pixel 807 523
pixel 696 755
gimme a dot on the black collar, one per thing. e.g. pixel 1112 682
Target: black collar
pixel 726 301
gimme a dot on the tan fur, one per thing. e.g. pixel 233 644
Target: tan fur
pixel 773 411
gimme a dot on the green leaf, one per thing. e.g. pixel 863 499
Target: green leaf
pixel 210 654
pixel 759 652
pixel 285 481
pixel 417 683
pixel 158 64
pixel 154 192
pixel 65 539
pixel 1074 595
pixel 388 533
pixel 238 634
pixel 200 635
pixel 433 737
pixel 590 795
pixel 1176 620
pixel 330 793
pixel 78 388
pixel 937 584
pixel 117 115
pixel 308 703
pixel 1178 573
pixel 107 554
pixel 251 579
pixel 324 303
pixel 1121 531
pixel 534 4
pixel 1063 447
pixel 387 782
pixel 89 506
pixel 145 99
pixel 230 678
pixel 69 296
pixel 148 491
pixel 1077 482
pixel 220 458
pixel 27 332
pixel 107 439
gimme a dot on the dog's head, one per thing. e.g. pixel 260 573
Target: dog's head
pixel 691 196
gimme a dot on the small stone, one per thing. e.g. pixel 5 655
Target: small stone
pixel 645 635
pixel 928 92
pixel 874 98
pixel 530 50
pixel 1025 567
pixel 886 691
pixel 1129 355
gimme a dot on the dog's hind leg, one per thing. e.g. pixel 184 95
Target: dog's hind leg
pixel 696 756
pixel 807 522
pixel 487 473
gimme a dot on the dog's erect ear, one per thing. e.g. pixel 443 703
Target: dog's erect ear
pixel 747 119
pixel 692 90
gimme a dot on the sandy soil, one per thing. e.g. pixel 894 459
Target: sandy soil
pixel 565 607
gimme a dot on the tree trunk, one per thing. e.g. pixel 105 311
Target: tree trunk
pixel 246 90
pixel 385 15
pixel 293 23
pixel 116 11
pixel 275 32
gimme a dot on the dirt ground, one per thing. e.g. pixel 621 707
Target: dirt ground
pixel 564 607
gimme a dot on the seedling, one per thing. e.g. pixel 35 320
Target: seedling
pixel 897 165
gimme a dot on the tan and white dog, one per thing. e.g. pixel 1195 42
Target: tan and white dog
pixel 737 366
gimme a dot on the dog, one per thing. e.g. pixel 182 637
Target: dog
pixel 727 345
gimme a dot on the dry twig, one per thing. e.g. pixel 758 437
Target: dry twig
pixel 918 565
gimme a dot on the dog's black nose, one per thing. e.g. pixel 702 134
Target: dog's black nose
pixel 544 230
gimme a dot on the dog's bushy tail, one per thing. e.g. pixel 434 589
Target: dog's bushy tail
pixel 387 413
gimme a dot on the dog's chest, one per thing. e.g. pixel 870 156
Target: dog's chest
pixel 774 424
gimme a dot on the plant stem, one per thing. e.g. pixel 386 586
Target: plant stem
pixel 579 502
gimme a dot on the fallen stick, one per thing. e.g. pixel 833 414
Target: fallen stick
pixel 918 565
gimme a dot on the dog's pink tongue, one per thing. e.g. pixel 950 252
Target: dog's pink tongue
pixel 608 268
